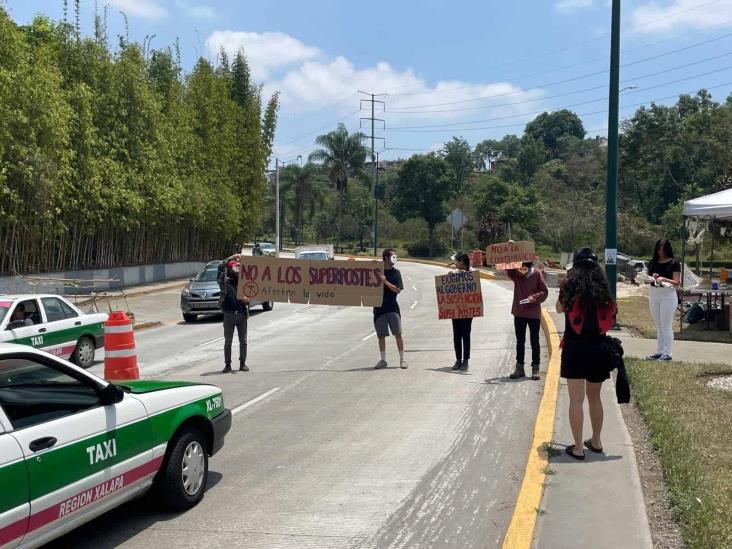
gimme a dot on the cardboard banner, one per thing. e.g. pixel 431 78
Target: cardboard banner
pixel 316 282
pixel 510 255
pixel 459 295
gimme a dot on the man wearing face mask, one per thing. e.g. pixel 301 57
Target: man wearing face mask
pixel 529 291
pixel 387 318
pixel 235 312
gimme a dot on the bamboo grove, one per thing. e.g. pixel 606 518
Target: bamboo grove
pixel 114 156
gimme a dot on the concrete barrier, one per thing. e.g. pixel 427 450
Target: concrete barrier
pixel 115 279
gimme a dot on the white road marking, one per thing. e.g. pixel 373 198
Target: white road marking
pixel 414 305
pixel 372 334
pixel 409 278
pixel 252 402
pixel 302 308
pixel 214 340
pixel 414 288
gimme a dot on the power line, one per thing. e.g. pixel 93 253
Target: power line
pixel 564 81
pixel 576 45
pixel 329 125
pixel 603 111
pixel 600 87
pixel 599 99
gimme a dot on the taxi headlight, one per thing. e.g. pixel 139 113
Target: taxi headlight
pixel 186 292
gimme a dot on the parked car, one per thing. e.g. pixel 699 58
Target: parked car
pixel 52 323
pixel 315 252
pixel 201 295
pixel 73 446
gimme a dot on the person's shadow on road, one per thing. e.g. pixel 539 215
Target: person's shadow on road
pixel 449 370
pixel 505 380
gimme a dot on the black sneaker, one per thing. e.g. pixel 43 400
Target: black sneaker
pixel 464 366
pixel 243 368
pixel 456 366
pixel 227 369
pixel 518 372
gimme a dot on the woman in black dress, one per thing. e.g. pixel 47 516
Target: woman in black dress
pixel 662 299
pixel 589 311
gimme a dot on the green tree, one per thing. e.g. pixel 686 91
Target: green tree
pixel 341 153
pixel 459 156
pixel 548 128
pixel 421 190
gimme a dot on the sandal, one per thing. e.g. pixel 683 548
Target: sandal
pixel 591 448
pixel 569 450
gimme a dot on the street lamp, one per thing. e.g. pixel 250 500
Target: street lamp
pixel 299 157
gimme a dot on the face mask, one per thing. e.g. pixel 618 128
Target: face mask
pixel 393 259
pixel 236 269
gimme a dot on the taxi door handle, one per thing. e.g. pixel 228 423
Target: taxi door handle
pixel 42 443
pixel 77 323
pixel 42 330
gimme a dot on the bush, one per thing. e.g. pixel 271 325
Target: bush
pixel 421 248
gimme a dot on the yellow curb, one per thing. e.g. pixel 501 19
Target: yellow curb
pixel 520 532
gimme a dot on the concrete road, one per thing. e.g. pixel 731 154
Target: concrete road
pixel 336 454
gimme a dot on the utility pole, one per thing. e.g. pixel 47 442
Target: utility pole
pixel 277 207
pixel 611 212
pixel 374 161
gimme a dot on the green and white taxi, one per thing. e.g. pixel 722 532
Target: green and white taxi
pixel 51 323
pixel 73 446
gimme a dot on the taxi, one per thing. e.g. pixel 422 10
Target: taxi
pixel 51 323
pixel 73 446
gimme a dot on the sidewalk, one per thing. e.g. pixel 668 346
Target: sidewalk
pixel 684 351
pixel 599 502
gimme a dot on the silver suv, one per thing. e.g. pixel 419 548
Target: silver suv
pixel 201 294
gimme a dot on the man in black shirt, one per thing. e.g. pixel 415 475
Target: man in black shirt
pixel 387 318
pixel 235 312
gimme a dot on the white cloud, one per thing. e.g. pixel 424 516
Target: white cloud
pixel 572 5
pixel 317 84
pixel 265 51
pixel 196 11
pixel 140 8
pixel 653 17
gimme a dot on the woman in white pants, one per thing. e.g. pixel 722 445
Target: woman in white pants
pixel 662 299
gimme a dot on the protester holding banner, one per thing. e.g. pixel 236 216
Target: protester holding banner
pixel 529 291
pixel 387 317
pixel 461 327
pixel 236 312
pixel 589 311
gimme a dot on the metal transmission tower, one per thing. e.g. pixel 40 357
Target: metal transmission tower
pixel 374 175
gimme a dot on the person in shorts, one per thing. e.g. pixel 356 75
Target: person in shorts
pixel 589 311
pixel 387 318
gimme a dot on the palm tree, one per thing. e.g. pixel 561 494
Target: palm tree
pixel 304 193
pixel 341 153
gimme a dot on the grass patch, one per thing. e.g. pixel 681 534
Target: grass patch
pixel 690 430
pixel 634 314
pixel 550 450
pixel 549 471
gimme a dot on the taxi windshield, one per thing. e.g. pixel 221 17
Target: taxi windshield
pixel 4 308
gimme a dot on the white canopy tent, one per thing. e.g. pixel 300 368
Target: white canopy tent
pixel 717 207
pixel 712 209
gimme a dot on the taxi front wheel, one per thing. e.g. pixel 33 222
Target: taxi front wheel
pixel 182 480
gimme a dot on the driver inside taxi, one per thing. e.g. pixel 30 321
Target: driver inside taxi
pixel 19 315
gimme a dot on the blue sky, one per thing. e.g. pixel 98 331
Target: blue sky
pixel 475 68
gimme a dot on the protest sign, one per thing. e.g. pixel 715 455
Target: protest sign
pixel 510 255
pixel 459 295
pixel 316 282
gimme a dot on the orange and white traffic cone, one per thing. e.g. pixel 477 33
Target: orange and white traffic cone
pixel 120 354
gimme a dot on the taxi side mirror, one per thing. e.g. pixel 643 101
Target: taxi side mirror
pixel 112 394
